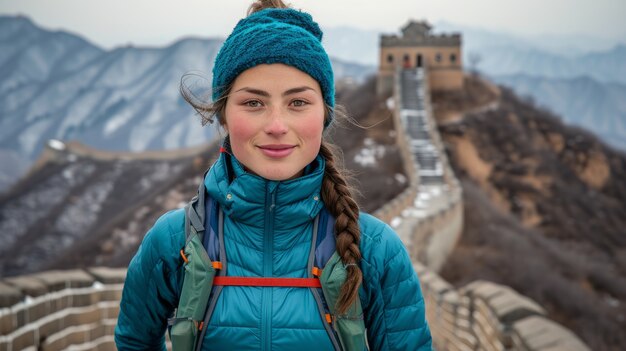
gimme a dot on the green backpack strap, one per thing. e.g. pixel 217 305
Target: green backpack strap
pixel 197 280
pixel 350 326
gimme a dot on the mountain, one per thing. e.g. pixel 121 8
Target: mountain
pixel 548 56
pixel 608 66
pixel 58 85
pixel 544 209
pixel 352 44
pixel 585 88
pixel 581 101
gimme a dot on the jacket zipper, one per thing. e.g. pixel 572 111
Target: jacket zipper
pixel 268 235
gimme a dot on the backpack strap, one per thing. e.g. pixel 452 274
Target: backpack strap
pixel 322 248
pixel 213 242
pixel 198 276
pixel 349 328
pixel 194 214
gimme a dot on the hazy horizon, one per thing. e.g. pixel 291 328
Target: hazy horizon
pixel 143 23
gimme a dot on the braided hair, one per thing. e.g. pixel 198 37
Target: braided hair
pixel 337 196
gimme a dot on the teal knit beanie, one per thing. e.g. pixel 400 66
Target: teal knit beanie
pixel 275 35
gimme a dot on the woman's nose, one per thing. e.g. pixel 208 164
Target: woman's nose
pixel 276 123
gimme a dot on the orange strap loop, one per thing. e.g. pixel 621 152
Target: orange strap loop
pixel 317 271
pixel 217 264
pixel 182 253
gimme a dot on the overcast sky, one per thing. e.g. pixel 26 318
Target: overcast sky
pixel 110 23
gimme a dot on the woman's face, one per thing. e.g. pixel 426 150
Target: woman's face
pixel 275 119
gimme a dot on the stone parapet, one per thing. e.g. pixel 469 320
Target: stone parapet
pixel 58 309
pixel 405 199
pixel 488 316
pixel 443 40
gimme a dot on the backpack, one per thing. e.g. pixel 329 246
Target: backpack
pixel 205 275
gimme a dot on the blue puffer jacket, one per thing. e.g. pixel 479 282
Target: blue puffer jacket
pixel 267 233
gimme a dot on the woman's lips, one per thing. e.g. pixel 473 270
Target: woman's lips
pixel 277 150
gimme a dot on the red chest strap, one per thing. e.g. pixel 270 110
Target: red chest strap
pixel 263 281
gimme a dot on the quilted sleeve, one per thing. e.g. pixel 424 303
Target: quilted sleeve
pixel 151 289
pixel 395 315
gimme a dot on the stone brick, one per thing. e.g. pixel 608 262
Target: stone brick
pixel 433 284
pixel 106 343
pixel 54 343
pixel 111 310
pixel 110 326
pixel 85 298
pixel 9 295
pixel 87 315
pixel 59 302
pixel 463 324
pixel 51 326
pixel 461 346
pixel 465 338
pixel 58 280
pixel 7 321
pixel 80 335
pixel 463 312
pixel 108 275
pixel 511 306
pixel 483 289
pixel 111 294
pixel 482 310
pixel 21 317
pixel 541 341
pixel 28 285
pixel 573 344
pixel 24 339
pixel 99 330
pixel 539 333
pixel 36 310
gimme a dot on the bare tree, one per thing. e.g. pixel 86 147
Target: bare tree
pixel 474 59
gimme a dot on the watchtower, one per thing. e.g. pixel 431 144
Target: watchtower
pixel 419 47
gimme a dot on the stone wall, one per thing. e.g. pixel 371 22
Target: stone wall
pixel 491 317
pixel 405 199
pixel 58 309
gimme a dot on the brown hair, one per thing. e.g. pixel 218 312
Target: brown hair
pixel 336 192
pixel 266 4
pixel 337 196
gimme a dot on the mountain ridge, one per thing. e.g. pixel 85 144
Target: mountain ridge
pixel 581 101
pixel 56 85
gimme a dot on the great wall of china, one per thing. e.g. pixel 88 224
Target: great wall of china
pixel 77 309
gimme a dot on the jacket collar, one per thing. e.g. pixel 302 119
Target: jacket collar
pixel 247 198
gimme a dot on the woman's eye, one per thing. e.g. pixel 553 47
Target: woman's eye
pixel 299 103
pixel 253 103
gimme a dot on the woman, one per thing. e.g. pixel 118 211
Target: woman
pixel 273 94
